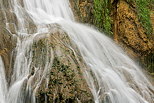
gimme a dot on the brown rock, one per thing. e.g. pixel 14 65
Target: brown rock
pixel 130 33
pixel 83 10
pixel 7 44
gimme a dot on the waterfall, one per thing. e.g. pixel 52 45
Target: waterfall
pixel 3 83
pixel 112 76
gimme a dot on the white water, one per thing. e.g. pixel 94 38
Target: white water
pixel 3 83
pixel 119 79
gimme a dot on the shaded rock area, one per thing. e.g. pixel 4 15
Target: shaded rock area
pixel 66 82
pixel 83 10
pixel 94 12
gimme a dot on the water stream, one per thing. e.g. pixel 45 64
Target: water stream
pixel 119 79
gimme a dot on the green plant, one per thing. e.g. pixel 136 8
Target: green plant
pixel 149 62
pixel 102 17
pixel 144 14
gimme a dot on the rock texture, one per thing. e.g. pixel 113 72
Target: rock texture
pixel 130 33
pixel 83 10
pixel 66 81
pixel 126 27
pixel 7 39
pixel 7 44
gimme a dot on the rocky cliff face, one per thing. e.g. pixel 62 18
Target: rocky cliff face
pixel 83 10
pixel 66 82
pixel 127 30
pixel 130 32
pixel 7 35
pixel 132 35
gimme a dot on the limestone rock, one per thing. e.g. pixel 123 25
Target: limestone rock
pixel 126 27
pixel 83 10
pixel 66 81
pixel 130 32
pixel 7 44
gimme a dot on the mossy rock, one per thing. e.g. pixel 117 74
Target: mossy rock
pixel 66 83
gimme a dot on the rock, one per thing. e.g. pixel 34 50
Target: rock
pixel 8 20
pixel 7 44
pixel 83 10
pixel 130 33
pixel 127 30
pixel 66 81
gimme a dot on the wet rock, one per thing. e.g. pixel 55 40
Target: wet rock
pixel 66 81
pixel 7 44
pixel 83 10
pixel 127 30
pixel 8 20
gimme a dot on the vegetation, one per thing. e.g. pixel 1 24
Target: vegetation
pixel 143 11
pixel 143 8
pixel 149 63
pixel 144 14
pixel 102 15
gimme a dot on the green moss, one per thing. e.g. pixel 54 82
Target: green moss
pixel 63 70
pixel 149 63
pixel 102 17
pixel 143 9
pixel 151 4
pixel 144 14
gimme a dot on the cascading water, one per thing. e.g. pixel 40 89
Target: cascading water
pixel 3 83
pixel 118 78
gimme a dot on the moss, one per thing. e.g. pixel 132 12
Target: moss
pixel 144 14
pixel 149 63
pixel 102 17
pixel 151 6
pixel 143 9
pixel 63 87
pixel 62 68
pixel 61 77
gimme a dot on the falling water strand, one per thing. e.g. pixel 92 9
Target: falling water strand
pixel 3 83
pixel 119 79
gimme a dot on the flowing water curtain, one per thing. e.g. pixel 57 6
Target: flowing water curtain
pixel 110 58
pixel 3 83
pixel 110 64
pixel 112 75
pixel 18 91
pixel 29 70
